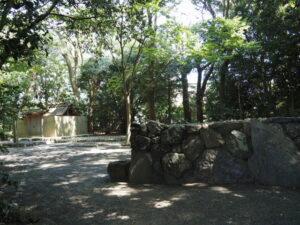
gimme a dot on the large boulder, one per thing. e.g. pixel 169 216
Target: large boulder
pixel 193 128
pixel 175 164
pixel 293 130
pixel 282 120
pixel 297 142
pixel 193 147
pixel 229 170
pixel 212 139
pixel 236 143
pixel 219 167
pixel 173 135
pixel 205 165
pixel 138 129
pixel 225 127
pixel 140 170
pixel 118 171
pixel 274 125
pixel 159 150
pixel 140 143
pixel 276 160
pixel 155 128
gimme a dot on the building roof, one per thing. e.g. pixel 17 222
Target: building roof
pixel 34 112
pixel 57 111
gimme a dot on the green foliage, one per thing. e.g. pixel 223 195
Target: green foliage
pixel 253 47
pixel 223 38
pixel 12 98
pixel 22 28
pixel 102 86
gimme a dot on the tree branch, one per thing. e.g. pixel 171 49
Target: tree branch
pixel 43 16
pixel 5 13
pixel 207 76
pixel 72 17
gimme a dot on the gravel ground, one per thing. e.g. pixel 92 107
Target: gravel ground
pixel 67 184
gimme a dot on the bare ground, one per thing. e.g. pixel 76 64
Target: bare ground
pixel 67 184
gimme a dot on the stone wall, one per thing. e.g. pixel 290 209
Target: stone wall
pixel 264 151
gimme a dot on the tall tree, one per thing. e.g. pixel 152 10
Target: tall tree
pixel 130 31
pixel 184 68
pixel 220 9
pixel 72 51
pixel 222 40
pixel 95 74
pixel 202 80
pixel 159 53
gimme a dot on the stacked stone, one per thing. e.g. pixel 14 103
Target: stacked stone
pixel 190 153
pixel 227 152
pixel 290 126
pixel 276 158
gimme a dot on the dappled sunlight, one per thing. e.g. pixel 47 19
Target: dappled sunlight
pixel 23 171
pixel 53 165
pixel 274 189
pixel 224 190
pixel 31 207
pixel 63 155
pixel 71 181
pixel 100 175
pixel 238 195
pixel 162 204
pixel 79 200
pixel 195 185
pixel 90 215
pixel 115 216
pixel 159 203
pixel 221 190
pixel 71 186
pixel 122 189
pixel 135 199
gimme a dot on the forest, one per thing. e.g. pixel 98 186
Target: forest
pixel 119 61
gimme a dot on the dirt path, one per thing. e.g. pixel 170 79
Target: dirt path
pixel 67 184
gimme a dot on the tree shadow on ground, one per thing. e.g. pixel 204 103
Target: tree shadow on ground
pixel 69 185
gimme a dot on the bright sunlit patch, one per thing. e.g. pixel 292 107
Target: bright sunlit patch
pixel 53 165
pixel 80 200
pixel 195 185
pixel 92 214
pixel 121 189
pixel 73 180
pixel 222 190
pixel 238 195
pixel 162 204
pixel 114 216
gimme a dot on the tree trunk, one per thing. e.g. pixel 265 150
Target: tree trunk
pixel 91 108
pixel 169 100
pixel 15 136
pixel 222 85
pixel 265 95
pixel 199 96
pixel 201 86
pixel 72 76
pixel 128 118
pixel 151 93
pixel 151 105
pixel 200 116
pixel 185 98
pixel 240 101
pixel 292 103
